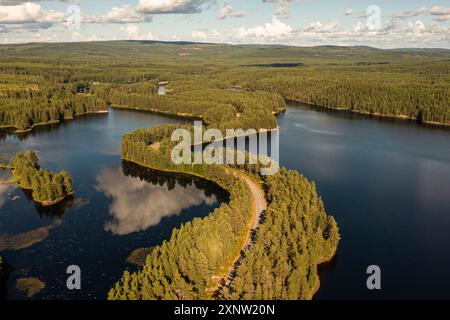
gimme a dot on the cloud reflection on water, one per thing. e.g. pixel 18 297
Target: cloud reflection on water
pixel 5 190
pixel 138 205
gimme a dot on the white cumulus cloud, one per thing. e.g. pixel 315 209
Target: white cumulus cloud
pixel 121 14
pixel 133 33
pixel 29 13
pixel 273 30
pixel 228 11
pixel 172 6
pixel 348 12
pixel 198 36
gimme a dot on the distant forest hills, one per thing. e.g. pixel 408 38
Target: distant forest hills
pixel 401 83
pixel 286 54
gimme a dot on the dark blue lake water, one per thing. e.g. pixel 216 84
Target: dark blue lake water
pixel 118 207
pixel 386 182
pixel 388 185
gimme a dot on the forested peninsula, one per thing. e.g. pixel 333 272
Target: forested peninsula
pixel 195 262
pixel 47 188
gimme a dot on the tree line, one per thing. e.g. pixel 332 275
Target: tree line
pixel 171 180
pixel 47 187
pixel 419 94
pixel 219 108
pixel 408 84
pixel 24 108
pixel 53 73
pixel 45 90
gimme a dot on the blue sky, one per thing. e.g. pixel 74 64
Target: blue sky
pixel 387 23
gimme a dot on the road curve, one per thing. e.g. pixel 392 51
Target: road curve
pixel 259 203
pixel 259 207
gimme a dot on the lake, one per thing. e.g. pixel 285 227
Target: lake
pixel 118 207
pixel 387 183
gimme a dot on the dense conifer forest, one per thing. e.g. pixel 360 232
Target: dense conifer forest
pixel 420 93
pixel 216 107
pixel 46 104
pixel 47 187
pixel 228 87
pixel 225 85
pixel 192 264
pixel 295 236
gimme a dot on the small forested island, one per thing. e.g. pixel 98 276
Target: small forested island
pixel 47 188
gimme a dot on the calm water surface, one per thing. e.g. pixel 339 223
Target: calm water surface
pixel 388 185
pixel 386 182
pixel 118 206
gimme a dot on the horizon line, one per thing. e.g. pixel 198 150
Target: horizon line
pixel 228 44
